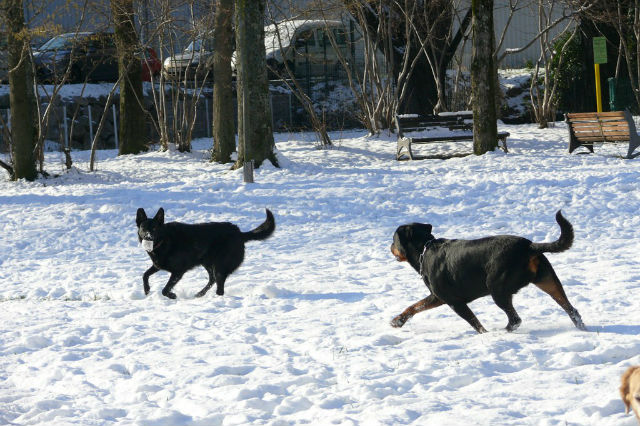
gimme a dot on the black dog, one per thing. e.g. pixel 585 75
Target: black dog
pixel 177 247
pixel 459 271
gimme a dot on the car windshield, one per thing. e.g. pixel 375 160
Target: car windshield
pixel 60 42
pixel 197 45
pixel 283 33
pixel 194 45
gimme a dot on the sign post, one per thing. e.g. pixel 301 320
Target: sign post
pixel 599 57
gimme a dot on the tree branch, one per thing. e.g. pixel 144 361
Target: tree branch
pixel 8 168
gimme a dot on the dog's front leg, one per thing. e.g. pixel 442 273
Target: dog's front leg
pixel 145 279
pixel 212 280
pixel 463 310
pixel 173 280
pixel 426 303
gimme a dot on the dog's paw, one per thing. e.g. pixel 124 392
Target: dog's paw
pixel 398 321
pixel 577 320
pixel 513 326
pixel 220 291
pixel 169 294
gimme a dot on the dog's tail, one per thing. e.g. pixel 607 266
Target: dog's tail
pixel 561 244
pixel 263 231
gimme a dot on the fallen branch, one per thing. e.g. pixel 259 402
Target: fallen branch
pixel 8 168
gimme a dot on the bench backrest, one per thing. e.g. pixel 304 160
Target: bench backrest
pixel 414 122
pixel 600 126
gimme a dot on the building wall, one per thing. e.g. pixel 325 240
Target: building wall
pixel 520 31
pixel 60 16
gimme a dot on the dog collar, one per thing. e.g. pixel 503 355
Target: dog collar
pixel 149 247
pixel 424 250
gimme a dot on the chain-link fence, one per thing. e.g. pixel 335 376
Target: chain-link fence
pixel 73 122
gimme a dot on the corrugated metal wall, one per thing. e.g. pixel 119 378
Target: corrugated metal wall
pixel 521 30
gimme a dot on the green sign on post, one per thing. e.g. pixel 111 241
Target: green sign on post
pixel 599 50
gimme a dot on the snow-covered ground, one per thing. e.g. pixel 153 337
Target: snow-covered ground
pixel 302 335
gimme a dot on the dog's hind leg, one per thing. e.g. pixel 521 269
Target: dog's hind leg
pixel 426 303
pixel 145 279
pixel 547 281
pixel 504 302
pixel 212 279
pixel 220 279
pixel 173 280
pixel 463 310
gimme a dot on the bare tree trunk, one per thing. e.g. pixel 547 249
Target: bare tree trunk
pixel 132 131
pixel 103 119
pixel 224 139
pixel 24 126
pixel 552 51
pixel 483 78
pixel 255 130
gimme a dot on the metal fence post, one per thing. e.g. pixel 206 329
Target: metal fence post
pixel 115 125
pixel 290 112
pixel 64 125
pixel 273 122
pixel 90 123
pixel 206 107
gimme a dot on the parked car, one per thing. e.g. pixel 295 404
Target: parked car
pixel 94 58
pixel 151 65
pixel 305 45
pixel 195 61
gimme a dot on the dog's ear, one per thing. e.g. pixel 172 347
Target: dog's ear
pixel 429 228
pixel 141 216
pixel 159 217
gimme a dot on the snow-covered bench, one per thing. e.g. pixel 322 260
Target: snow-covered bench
pixel 585 128
pixel 443 127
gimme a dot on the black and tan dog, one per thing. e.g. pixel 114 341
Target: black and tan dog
pixel 459 271
pixel 178 247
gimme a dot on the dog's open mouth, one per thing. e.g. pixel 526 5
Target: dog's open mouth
pixel 147 245
pixel 399 256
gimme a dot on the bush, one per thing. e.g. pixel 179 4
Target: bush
pixel 569 76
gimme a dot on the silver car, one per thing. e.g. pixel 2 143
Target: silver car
pixel 195 61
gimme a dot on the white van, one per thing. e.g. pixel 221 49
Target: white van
pixel 195 61
pixel 306 46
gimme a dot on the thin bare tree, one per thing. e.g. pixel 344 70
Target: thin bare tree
pixel 543 88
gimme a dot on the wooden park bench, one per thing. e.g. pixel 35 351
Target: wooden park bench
pixel 460 126
pixel 586 128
